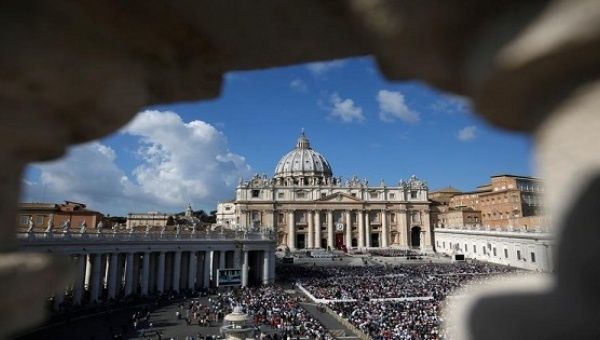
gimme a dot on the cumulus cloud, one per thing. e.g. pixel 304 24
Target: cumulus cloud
pixel 344 109
pixel 178 162
pixel 467 133
pixel 320 68
pixel 392 106
pixel 298 85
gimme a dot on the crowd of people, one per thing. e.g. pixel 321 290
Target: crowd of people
pixel 402 320
pixel 363 286
pixel 274 308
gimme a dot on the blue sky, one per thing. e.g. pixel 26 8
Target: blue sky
pixel 363 124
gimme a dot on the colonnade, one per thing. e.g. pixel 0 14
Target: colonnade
pixel 117 274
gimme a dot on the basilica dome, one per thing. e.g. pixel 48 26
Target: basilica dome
pixel 303 161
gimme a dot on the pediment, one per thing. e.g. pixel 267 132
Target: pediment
pixel 339 197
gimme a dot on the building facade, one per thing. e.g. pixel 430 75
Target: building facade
pixel 67 215
pixel 531 249
pixel 226 214
pixel 507 201
pixel 309 208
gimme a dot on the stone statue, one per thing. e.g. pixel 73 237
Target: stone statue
pixel 82 227
pixel 50 225
pixel 164 228
pixel 66 225
pixel 177 229
pixel 30 224
pixel 99 227
pixel 194 226
pixel 148 228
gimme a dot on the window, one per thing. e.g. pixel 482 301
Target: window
pixel 444 243
pixel 300 195
pixel 505 253
pixel 518 255
pixel 373 195
pixel 392 196
pixel 323 194
pixel 474 249
pixel 466 249
pixel 281 218
pixel 255 193
pixel 483 248
pixel 533 257
pixel 437 243
pixel 280 195
pixel 494 251
pixel 353 194
pixel 413 194
pixel 227 208
pixel 393 217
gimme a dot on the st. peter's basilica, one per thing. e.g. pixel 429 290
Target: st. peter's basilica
pixel 309 208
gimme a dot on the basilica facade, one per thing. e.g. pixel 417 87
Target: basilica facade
pixel 307 207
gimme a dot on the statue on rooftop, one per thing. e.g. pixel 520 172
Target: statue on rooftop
pixel 30 224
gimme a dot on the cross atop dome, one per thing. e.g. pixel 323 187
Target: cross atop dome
pixel 303 142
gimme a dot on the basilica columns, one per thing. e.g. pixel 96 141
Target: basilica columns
pixel 266 275
pixel 348 219
pixel 291 235
pixel 361 230
pixel 311 229
pixel 367 229
pixel 330 232
pixel 384 229
pixel 317 238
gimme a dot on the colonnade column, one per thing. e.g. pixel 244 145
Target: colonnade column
pixel 348 229
pixel 206 270
pixel 367 230
pixel 361 230
pixel 112 275
pixel 176 270
pixel 79 280
pixel 160 276
pixel 95 278
pixel 245 269
pixel 129 274
pixel 193 265
pixel 222 256
pixel 311 229
pixel 330 235
pixel 384 229
pixel 291 231
pixel 267 267
pixel 145 274
pixel 317 238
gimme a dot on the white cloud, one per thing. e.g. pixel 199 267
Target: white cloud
pixel 178 163
pixel 320 68
pixel 467 133
pixel 392 106
pixel 344 109
pixel 298 85
pixel 450 103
